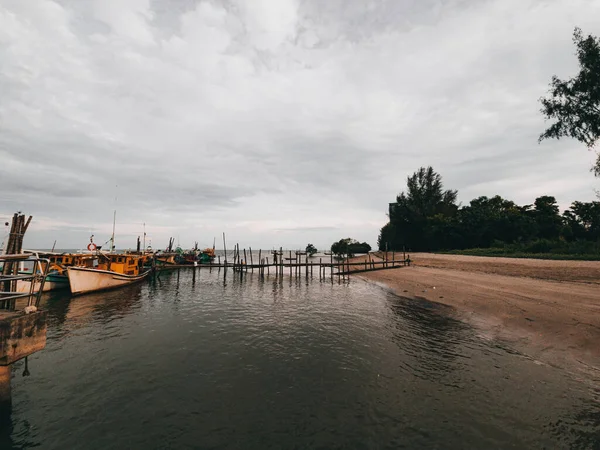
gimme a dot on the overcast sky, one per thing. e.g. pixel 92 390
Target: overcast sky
pixel 278 122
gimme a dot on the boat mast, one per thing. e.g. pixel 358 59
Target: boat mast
pixel 144 247
pixel 112 238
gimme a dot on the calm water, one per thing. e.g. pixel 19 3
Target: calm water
pixel 230 363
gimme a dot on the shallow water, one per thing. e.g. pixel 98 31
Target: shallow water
pixel 225 362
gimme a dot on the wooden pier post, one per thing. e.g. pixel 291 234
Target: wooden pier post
pixel 306 264
pixel 251 261
pixel 331 265
pixel 245 261
pixel 290 260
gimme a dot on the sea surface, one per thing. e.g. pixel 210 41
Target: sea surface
pixel 221 361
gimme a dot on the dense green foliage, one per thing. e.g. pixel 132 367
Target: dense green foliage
pixel 349 247
pixel 574 104
pixel 427 218
pixel 311 249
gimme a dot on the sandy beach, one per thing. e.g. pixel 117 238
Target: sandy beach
pixel 547 310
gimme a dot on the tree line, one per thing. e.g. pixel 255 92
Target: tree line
pixel 426 217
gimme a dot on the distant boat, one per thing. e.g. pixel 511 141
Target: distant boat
pixel 114 270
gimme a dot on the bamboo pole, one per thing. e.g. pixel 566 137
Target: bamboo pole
pixel 306 265
pixel 386 254
pixel 331 262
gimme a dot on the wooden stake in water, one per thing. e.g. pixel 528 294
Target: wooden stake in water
pixel 331 265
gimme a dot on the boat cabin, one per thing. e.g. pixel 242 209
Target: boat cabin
pixel 124 264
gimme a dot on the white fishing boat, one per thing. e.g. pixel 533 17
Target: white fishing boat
pixel 53 282
pixel 114 270
pixel 56 277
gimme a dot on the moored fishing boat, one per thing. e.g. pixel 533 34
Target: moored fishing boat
pixel 56 277
pixel 113 270
pixel 207 255
pixel 54 281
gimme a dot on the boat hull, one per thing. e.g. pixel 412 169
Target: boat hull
pixel 52 283
pixel 84 280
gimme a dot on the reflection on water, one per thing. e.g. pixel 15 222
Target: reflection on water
pixel 214 362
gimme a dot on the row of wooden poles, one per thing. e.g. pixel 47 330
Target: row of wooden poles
pixel 14 246
pixel 243 261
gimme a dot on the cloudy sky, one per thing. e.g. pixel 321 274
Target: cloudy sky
pixel 278 122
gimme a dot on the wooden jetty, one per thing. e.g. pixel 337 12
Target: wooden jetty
pixel 22 325
pixel 294 264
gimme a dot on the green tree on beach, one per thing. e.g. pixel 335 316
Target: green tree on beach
pixel 349 247
pixel 547 217
pixel 427 218
pixel 574 104
pixel 410 215
pixel 311 249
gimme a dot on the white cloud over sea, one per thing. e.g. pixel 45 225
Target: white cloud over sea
pixel 278 122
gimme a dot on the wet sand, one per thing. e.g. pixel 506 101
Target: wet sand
pixel 548 310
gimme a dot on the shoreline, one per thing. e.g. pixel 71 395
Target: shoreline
pixel 547 310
